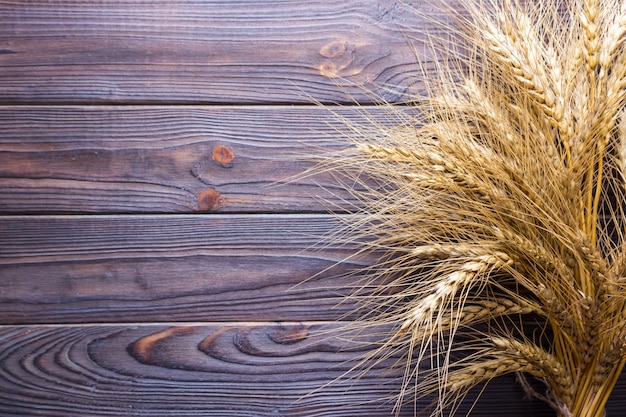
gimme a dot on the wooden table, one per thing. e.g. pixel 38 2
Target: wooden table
pixel 160 249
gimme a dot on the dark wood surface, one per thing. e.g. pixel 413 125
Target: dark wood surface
pixel 171 159
pixel 76 269
pixel 163 250
pixel 236 369
pixel 207 51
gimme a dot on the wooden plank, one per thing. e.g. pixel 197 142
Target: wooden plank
pixel 239 369
pixel 210 51
pixel 151 159
pixel 77 269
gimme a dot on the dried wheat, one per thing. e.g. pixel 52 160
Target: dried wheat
pixel 499 202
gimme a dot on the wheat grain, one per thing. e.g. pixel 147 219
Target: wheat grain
pixel 591 39
pixel 591 320
pixel 471 376
pixel 615 36
pixel 544 364
pixel 514 45
pixel 422 314
pixel 477 311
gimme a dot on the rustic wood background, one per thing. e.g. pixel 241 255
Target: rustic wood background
pixel 150 245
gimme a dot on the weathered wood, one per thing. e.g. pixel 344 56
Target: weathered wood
pixel 76 51
pixel 81 297
pixel 240 369
pixel 171 159
pixel 73 269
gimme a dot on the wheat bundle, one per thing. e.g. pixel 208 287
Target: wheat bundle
pixel 498 202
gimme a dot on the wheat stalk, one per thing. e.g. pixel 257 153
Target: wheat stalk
pixel 498 202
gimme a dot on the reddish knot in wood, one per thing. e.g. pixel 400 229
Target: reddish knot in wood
pixel 210 200
pixel 328 69
pixel 145 349
pixel 333 49
pixel 223 155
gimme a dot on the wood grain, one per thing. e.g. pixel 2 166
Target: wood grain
pixel 245 51
pixel 127 117
pixel 77 269
pixel 240 369
pixel 155 159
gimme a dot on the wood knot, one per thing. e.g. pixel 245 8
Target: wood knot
pixel 333 49
pixel 210 200
pixel 328 70
pixel 223 155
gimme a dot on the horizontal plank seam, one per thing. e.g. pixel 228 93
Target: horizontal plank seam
pixel 105 103
pixel 186 323
pixel 156 103
pixel 260 216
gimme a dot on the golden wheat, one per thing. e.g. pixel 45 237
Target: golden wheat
pixel 496 202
